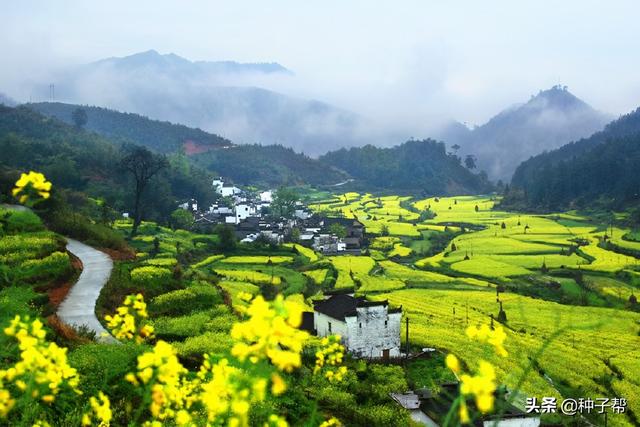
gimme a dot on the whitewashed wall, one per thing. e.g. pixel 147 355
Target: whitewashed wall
pixel 368 335
pixel 321 324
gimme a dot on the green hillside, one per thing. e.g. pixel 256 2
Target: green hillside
pixel 415 165
pixel 85 162
pixel 161 136
pixel 600 168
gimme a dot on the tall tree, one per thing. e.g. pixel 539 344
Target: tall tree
pixel 284 202
pixel 470 161
pixel 143 165
pixel 79 117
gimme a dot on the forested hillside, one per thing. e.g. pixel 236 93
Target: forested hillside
pixel 86 162
pixel 603 166
pixel 161 136
pixel 270 165
pixel 414 165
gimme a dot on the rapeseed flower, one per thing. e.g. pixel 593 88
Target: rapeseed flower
pixel 270 333
pixel 42 371
pixel 30 185
pixel 495 337
pixel 331 353
pixel 100 411
pixel 482 386
pixel 126 324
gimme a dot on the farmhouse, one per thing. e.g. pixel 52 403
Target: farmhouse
pixel 368 329
pixel 354 230
pixel 223 189
pixel 432 410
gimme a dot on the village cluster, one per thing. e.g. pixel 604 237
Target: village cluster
pixel 251 215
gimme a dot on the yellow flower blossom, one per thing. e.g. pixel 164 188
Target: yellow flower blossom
pixel 31 184
pixel 463 413
pixel 331 422
pixel 482 386
pixel 276 421
pixel 452 363
pixel 495 337
pixel 126 324
pixel 42 371
pixel 100 411
pixel 278 386
pixel 270 333
pixel 331 353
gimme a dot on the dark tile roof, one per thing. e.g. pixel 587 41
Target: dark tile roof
pixel 437 406
pixel 341 306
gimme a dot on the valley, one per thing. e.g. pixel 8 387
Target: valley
pixel 570 317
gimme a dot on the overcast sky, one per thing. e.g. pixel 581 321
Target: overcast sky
pixel 398 59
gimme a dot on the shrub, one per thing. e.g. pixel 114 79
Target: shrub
pixel 210 342
pixel 12 221
pixel 383 415
pixel 220 323
pixel 185 301
pixel 53 266
pixel 81 228
pixel 150 275
pixel 249 276
pixel 178 328
pixel 41 243
pixel 102 367
pixel 161 262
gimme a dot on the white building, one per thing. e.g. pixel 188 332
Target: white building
pixel 225 190
pixel 266 196
pixel 243 211
pixel 368 329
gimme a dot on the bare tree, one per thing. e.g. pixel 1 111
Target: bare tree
pixel 142 164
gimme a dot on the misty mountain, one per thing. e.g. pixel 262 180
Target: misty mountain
pixel 175 67
pixel 601 168
pixel 244 164
pixel 5 100
pixel 221 97
pixel 422 166
pixel 547 121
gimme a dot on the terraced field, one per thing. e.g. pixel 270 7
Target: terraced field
pixel 472 249
pixel 590 344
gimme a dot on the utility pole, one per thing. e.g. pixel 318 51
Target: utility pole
pixel 407 336
pixel 467 309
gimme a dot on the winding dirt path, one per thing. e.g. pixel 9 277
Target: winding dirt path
pixel 79 306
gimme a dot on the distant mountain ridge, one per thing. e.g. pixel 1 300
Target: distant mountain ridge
pixel 226 98
pixel 603 166
pixel 173 62
pixel 548 120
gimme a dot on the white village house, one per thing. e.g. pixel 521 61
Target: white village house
pixel 225 190
pixel 369 329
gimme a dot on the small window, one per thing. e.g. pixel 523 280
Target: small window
pixel 360 325
pixel 385 323
pixel 329 327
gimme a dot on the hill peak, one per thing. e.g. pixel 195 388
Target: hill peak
pixel 557 96
pixel 153 58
